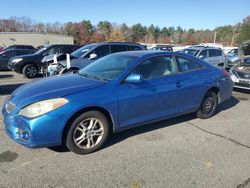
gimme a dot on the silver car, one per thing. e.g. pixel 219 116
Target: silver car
pixel 211 55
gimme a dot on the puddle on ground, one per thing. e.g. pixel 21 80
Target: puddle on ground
pixel 8 156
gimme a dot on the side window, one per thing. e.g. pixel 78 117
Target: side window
pixel 133 48
pixel 156 67
pixel 100 51
pixel 185 65
pixel 212 53
pixel 118 48
pixel 21 52
pixel 9 54
pixel 67 49
pixel 204 54
pixel 219 52
pixel 54 50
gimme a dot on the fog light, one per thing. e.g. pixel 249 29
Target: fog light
pixel 23 135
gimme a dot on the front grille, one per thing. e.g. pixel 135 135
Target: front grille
pixel 242 84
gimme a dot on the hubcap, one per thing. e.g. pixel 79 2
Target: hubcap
pixel 31 71
pixel 208 105
pixel 88 133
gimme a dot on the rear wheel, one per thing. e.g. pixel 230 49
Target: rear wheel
pixel 30 71
pixel 87 133
pixel 208 105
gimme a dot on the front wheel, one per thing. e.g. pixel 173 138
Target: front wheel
pixel 208 105
pixel 87 133
pixel 30 71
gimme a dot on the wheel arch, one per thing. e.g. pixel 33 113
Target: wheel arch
pixel 217 91
pixel 104 111
pixel 27 63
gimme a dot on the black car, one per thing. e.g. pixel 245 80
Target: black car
pixel 6 55
pixel 30 65
pixel 91 52
pixel 18 46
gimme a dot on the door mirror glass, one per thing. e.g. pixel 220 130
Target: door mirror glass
pixel 93 56
pixel 134 78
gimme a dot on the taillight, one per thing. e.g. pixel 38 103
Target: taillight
pixel 226 74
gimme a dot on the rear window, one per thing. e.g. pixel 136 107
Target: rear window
pixel 133 48
pixel 214 52
pixel 186 65
pixel 118 48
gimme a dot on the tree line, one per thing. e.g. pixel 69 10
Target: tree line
pixel 85 32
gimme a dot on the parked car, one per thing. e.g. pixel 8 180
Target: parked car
pixel 6 55
pixel 30 65
pixel 211 55
pixel 233 52
pixel 114 93
pixel 240 73
pixel 162 47
pixel 13 47
pixel 91 52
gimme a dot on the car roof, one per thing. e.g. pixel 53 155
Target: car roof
pixel 141 53
pixel 120 43
pixel 202 47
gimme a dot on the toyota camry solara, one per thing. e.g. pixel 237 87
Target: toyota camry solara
pixel 114 93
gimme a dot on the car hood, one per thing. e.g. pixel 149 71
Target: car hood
pixel 79 63
pixel 52 87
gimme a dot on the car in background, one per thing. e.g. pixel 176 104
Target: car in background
pixel 6 55
pixel 91 52
pixel 233 51
pixel 114 93
pixel 17 46
pixel 240 73
pixel 30 65
pixel 212 55
pixel 162 47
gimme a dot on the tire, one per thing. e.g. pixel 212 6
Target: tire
pixel 208 105
pixel 30 71
pixel 82 138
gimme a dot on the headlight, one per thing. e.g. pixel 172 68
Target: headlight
pixel 42 107
pixel 17 60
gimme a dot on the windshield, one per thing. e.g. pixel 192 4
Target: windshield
pixel 193 52
pixel 41 50
pixel 108 67
pixel 83 50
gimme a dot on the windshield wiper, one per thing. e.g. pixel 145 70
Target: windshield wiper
pixel 94 77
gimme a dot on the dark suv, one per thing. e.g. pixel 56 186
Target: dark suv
pixel 91 52
pixel 18 46
pixel 30 65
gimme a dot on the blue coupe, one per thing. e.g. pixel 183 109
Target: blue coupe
pixel 116 92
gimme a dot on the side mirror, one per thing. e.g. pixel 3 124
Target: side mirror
pixel 93 56
pixel 201 57
pixel 134 78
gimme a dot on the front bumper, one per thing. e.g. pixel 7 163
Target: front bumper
pixel 43 131
pixel 240 83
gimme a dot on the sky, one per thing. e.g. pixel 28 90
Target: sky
pixel 197 14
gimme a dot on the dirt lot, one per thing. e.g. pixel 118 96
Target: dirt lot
pixel 180 152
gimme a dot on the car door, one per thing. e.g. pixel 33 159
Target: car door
pixel 99 52
pixel 5 57
pixel 192 83
pixel 152 98
pixel 213 57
